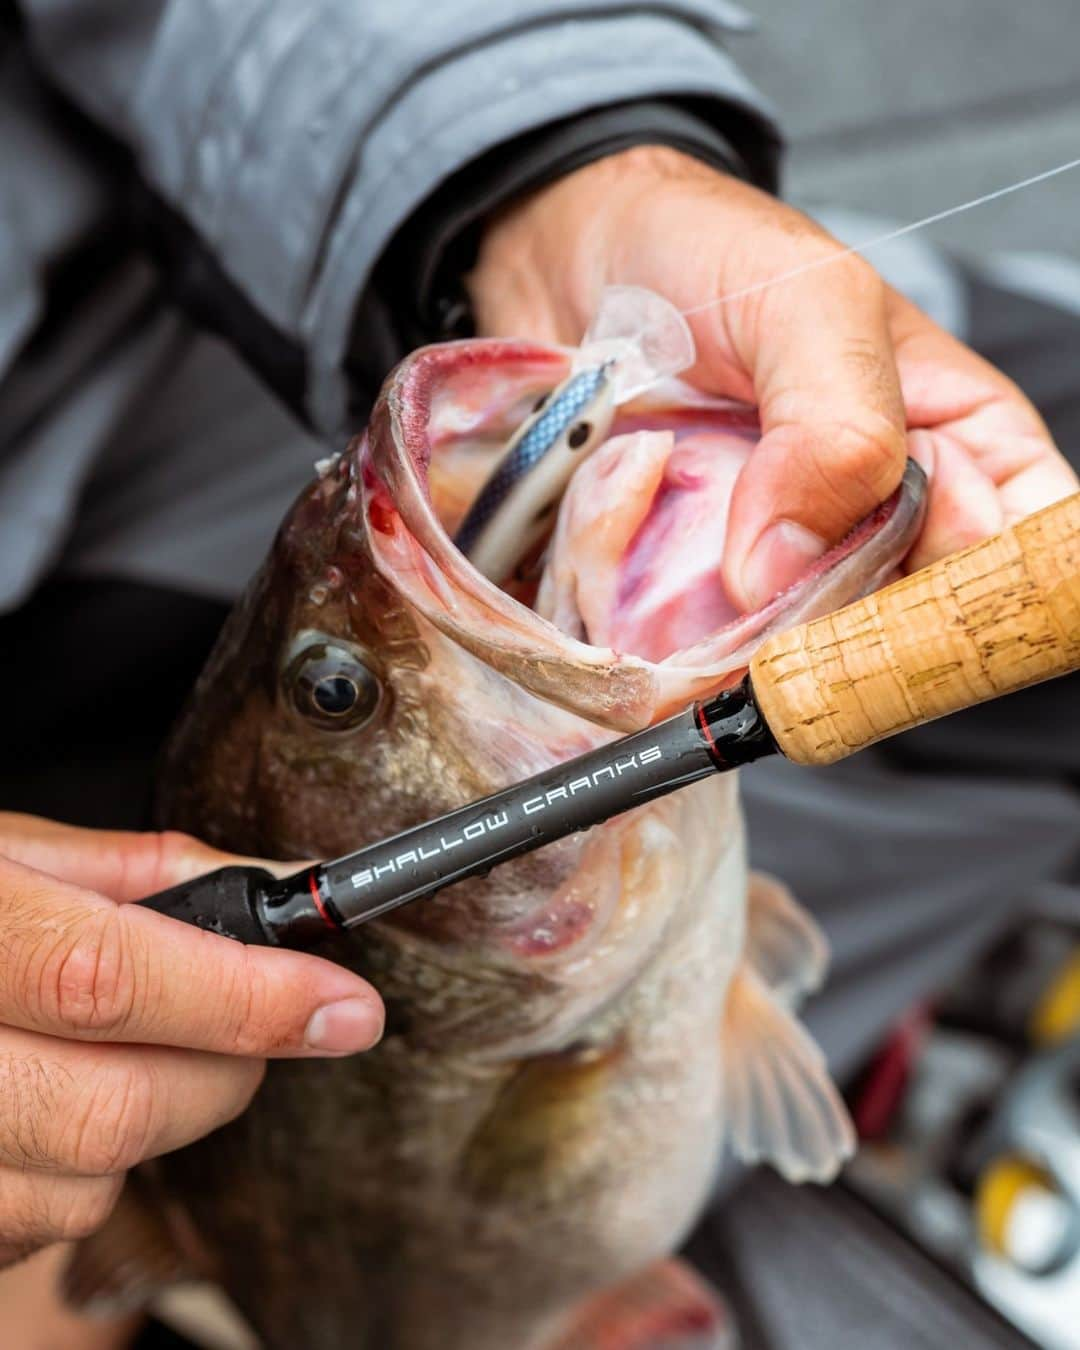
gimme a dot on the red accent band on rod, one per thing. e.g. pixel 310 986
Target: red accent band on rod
pixel 706 731
pixel 313 886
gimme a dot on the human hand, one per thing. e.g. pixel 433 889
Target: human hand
pixel 848 376
pixel 124 1034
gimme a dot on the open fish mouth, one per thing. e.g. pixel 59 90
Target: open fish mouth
pixel 630 620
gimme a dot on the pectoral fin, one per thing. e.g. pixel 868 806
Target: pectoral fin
pixel 780 1105
pixel 783 943
pixel 144 1257
pixel 550 1131
pixel 129 1260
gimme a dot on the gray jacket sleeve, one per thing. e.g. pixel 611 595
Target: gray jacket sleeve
pixel 296 139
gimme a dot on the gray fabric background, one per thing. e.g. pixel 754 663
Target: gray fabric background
pixel 903 109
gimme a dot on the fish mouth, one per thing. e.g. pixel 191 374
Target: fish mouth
pixel 625 635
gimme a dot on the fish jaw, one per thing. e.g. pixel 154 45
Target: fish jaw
pixel 412 474
pixel 618 676
pixel 636 559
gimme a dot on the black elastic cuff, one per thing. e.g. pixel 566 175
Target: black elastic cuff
pixel 417 293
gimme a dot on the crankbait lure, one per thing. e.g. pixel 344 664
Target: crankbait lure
pixel 517 504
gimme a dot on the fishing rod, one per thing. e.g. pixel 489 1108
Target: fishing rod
pixel 981 623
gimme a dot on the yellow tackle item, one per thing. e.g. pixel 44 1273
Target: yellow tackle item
pixel 1020 1214
pixel 1056 1015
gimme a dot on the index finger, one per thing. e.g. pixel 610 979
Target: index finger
pixel 122 864
pixel 77 965
pixel 990 457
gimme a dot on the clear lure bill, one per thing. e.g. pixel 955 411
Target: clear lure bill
pixel 516 506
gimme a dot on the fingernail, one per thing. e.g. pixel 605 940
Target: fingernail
pixel 783 552
pixel 345 1027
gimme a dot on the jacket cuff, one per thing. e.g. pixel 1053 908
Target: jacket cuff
pixel 479 101
pixel 416 293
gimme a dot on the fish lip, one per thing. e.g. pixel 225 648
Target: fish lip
pixel 411 384
pixel 414 553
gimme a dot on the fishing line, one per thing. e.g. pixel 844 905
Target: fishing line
pixel 879 239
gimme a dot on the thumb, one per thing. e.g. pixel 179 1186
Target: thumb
pixel 820 358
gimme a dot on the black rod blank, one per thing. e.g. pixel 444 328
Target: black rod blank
pixel 249 904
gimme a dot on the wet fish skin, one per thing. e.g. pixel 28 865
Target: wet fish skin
pixel 400 1193
pixel 544 1114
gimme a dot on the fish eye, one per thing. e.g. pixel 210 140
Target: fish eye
pixel 578 435
pixel 332 687
pixel 335 695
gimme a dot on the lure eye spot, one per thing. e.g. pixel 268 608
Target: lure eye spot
pixel 331 687
pixel 578 435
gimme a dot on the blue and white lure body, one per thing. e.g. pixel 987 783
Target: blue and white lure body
pixel 516 506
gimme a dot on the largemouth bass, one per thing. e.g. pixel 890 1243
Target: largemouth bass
pixel 573 1039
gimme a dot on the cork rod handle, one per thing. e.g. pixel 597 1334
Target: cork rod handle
pixel 1000 615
